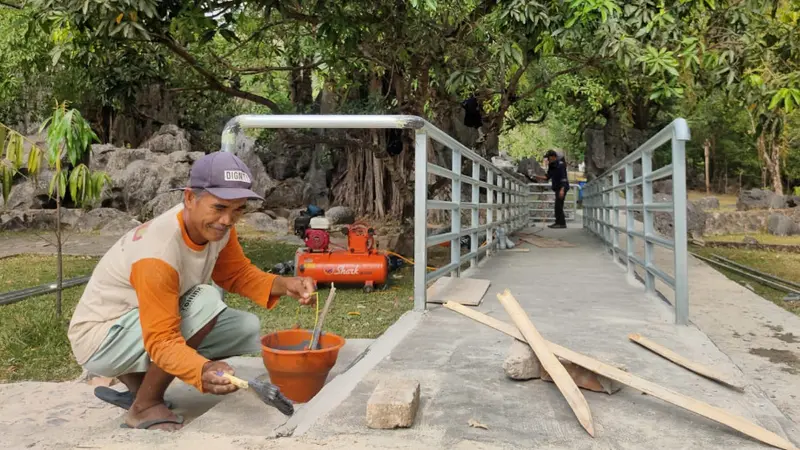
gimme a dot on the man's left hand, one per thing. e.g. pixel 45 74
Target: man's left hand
pixel 300 288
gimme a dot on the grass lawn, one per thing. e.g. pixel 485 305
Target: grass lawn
pixel 34 345
pixel 780 264
pixel 762 238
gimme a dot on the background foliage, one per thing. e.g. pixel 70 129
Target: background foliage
pixel 543 71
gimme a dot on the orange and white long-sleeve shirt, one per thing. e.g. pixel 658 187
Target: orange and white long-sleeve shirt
pixel 150 268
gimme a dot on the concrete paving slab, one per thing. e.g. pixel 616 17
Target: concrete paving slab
pixel 577 298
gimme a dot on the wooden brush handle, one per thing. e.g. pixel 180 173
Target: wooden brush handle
pixel 238 382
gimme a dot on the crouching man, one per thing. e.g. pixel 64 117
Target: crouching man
pixel 149 313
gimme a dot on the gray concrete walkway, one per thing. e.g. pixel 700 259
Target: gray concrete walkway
pixel 578 298
pixel 761 338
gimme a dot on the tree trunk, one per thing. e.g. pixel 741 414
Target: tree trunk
pixel 59 257
pixel 707 152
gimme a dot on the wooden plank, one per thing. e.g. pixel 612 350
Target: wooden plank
pixel 467 291
pixel 516 250
pixel 683 362
pixel 640 384
pixel 549 362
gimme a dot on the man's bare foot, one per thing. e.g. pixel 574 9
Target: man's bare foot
pixel 139 415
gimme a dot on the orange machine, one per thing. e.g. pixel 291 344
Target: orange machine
pixel 360 263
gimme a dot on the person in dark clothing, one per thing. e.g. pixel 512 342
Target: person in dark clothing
pixel 557 174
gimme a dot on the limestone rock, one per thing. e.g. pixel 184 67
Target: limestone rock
pixel 695 218
pixel 662 186
pixel 503 162
pixel 735 222
pixel 530 168
pixel 756 199
pixel 245 149
pixel 170 138
pixel 779 202
pixel 750 240
pixel 521 363
pixel 30 194
pixel 781 225
pixel 107 220
pixel 140 176
pixel 707 203
pixel 287 194
pixel 340 215
pixel 260 221
pixel 393 404
pixel 160 204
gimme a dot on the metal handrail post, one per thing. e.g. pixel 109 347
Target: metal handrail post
pixel 629 220
pixel 680 218
pixel 420 218
pixel 475 212
pixel 455 214
pixel 649 229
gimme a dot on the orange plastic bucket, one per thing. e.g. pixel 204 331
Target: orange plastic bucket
pixel 300 374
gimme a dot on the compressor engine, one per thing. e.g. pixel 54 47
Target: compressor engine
pixel 360 263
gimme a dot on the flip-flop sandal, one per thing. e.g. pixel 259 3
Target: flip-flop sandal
pixel 122 399
pixel 149 423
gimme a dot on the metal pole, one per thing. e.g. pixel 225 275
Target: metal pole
pixel 629 221
pixel 614 203
pixel 420 218
pixel 681 250
pixel 490 209
pixel 455 214
pixel 475 213
pixel 649 230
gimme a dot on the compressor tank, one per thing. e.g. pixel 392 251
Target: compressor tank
pixel 342 267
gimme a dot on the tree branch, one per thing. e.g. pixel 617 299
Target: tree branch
pixel 254 35
pixel 552 77
pixel 537 121
pixel 256 70
pixel 10 5
pixel 212 80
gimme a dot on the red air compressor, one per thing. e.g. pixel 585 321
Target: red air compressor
pixel 360 263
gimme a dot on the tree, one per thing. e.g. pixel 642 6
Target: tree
pixel 69 135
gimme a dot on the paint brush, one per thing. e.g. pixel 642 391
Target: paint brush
pixel 265 391
pixel 318 329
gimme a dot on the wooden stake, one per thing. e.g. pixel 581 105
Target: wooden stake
pixel 696 406
pixel 548 360
pixel 681 361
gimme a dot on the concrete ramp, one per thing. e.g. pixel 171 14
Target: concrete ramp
pixel 578 298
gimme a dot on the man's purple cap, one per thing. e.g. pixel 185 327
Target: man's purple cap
pixel 223 175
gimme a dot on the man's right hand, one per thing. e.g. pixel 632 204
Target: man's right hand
pixel 217 384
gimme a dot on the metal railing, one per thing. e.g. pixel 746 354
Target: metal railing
pixel 544 201
pixel 602 204
pixel 505 193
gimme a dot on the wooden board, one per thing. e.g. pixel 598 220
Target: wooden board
pixel 549 362
pixel 467 291
pixel 640 384
pixel 683 362
pixel 516 250
pixel 545 243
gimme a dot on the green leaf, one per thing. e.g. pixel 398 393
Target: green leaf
pixel 777 98
pixel 229 35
